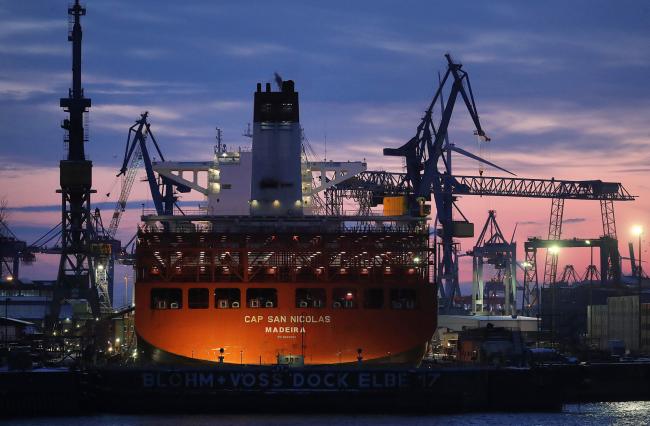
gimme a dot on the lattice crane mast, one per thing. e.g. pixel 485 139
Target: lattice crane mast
pixel 429 169
pixel 127 182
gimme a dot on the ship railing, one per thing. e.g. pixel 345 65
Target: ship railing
pixel 202 211
pixel 207 229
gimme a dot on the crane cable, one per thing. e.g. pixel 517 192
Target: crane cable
pixel 112 187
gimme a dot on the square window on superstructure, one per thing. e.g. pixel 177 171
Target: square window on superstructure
pixel 373 298
pixel 344 298
pixel 403 298
pixel 198 298
pixel 310 298
pixel 166 298
pixel 227 298
pixel 262 297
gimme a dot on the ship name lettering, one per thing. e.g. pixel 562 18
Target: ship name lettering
pixel 284 329
pixel 253 319
pixel 277 318
pixel 300 319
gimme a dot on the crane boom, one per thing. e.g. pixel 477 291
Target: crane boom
pixel 127 184
pixel 136 155
pixel 388 183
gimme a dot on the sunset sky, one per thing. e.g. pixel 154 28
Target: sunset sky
pixel 561 87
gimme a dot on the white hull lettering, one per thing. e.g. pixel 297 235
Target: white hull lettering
pixel 284 329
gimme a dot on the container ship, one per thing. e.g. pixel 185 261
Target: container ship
pixel 269 282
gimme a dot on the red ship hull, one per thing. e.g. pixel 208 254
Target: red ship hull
pixel 266 335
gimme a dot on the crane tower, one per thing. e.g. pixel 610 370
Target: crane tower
pixel 73 280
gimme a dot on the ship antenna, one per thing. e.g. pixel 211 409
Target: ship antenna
pixel 218 140
pixel 248 133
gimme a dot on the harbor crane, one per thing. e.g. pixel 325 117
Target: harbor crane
pixel 429 172
pixel 136 154
pixel 12 251
pixel 75 274
pixel 429 169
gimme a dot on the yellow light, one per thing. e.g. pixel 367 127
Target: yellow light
pixel 554 249
pixel 10 278
pixel 416 259
pixel 276 203
pixel 637 230
pixel 526 264
pixel 100 267
pixel 298 203
pixel 117 341
pixel 588 242
pixel 254 203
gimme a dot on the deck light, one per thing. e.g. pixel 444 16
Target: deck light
pixel 554 249
pixel 637 230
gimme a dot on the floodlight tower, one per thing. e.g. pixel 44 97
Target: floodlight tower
pixel 73 279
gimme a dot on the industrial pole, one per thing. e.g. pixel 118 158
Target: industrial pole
pixel 73 279
pixel 640 289
pixel 6 320
pixel 638 231
pixel 591 299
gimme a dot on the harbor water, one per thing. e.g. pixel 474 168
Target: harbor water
pixel 613 413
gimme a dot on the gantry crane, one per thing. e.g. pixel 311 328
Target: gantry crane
pixel 376 184
pixel 425 175
pixel 493 248
pixel 12 251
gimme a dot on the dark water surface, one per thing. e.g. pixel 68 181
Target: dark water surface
pixel 616 413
